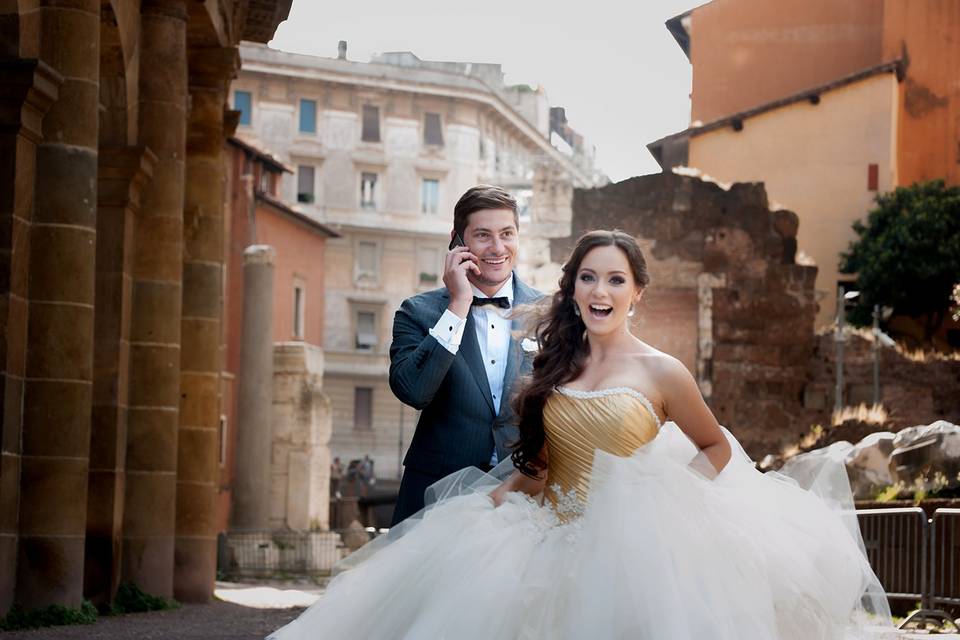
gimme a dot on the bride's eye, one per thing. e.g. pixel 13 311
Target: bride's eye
pixel 617 280
pixel 586 277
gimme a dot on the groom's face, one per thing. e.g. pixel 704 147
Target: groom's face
pixel 492 236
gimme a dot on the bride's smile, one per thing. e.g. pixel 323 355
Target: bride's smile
pixel 605 291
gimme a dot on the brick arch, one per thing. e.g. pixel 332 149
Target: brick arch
pixel 119 72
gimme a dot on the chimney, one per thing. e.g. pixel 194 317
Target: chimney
pixel 342 50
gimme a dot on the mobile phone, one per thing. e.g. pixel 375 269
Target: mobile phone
pixel 457 241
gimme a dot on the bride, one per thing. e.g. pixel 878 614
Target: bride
pixel 625 512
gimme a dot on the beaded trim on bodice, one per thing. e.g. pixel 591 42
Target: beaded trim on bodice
pixel 609 391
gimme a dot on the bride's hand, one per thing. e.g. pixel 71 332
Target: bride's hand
pixel 499 494
pixel 517 482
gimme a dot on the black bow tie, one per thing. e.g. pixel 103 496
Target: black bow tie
pixel 503 302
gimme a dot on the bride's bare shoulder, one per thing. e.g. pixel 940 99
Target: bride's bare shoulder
pixel 654 360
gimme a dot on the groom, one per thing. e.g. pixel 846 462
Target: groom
pixel 453 355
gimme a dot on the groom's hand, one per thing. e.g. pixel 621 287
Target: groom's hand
pixel 458 262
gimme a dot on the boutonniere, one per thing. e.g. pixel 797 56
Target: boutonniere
pixel 529 345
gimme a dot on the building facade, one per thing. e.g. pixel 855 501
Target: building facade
pixel 381 152
pixel 295 417
pixel 111 202
pixel 825 103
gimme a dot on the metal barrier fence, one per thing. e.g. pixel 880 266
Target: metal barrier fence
pixel 265 553
pixel 945 565
pixel 916 558
pixel 896 545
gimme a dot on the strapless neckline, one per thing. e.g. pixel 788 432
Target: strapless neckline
pixel 609 391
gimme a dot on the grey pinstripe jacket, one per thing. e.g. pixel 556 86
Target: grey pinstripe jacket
pixel 458 427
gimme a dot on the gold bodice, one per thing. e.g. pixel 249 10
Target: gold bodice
pixel 617 420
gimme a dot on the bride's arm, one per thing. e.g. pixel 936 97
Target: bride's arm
pixel 685 406
pixel 520 482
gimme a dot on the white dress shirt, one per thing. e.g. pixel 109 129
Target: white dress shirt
pixel 493 336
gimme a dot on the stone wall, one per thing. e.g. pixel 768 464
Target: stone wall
pixel 915 387
pixel 111 124
pixel 726 295
pixel 302 423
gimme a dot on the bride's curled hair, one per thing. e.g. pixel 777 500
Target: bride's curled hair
pixel 559 331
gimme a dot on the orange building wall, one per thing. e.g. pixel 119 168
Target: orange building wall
pixel 749 52
pixel 299 251
pixel 236 230
pixel 299 256
pixel 929 119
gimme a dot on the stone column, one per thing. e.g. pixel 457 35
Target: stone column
pixel 300 449
pixel 27 89
pixel 59 373
pixel 154 397
pixel 251 494
pixel 123 173
pixel 203 258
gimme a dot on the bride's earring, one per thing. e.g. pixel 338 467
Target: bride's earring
pixel 576 310
pixel 631 312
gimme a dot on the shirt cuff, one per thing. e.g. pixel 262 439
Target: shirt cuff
pixel 449 331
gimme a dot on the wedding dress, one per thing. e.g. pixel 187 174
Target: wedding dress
pixel 632 540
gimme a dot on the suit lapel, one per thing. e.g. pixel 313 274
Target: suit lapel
pixel 470 349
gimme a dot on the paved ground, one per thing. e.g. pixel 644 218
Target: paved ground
pixel 242 612
pixel 214 621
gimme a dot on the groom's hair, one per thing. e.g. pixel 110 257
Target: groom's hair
pixel 478 198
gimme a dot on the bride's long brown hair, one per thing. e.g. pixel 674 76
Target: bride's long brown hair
pixel 559 331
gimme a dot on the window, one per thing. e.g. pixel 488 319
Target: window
pixel 222 457
pixel 368 190
pixel 429 196
pixel 429 266
pixel 483 148
pixel 366 330
pixel 366 260
pixel 243 102
pixel 371 124
pixel 432 129
pixel 266 184
pixel 523 197
pixel 363 409
pixel 873 177
pixel 308 116
pixel 305 182
pixel 298 310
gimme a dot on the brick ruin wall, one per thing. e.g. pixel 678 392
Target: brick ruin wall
pixel 728 299
pixel 726 295
pixel 915 388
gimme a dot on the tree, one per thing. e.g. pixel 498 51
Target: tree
pixel 907 255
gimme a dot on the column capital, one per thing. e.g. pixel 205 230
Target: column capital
pixel 231 120
pixel 212 67
pixel 122 172
pixel 28 88
pixel 259 254
pixel 169 8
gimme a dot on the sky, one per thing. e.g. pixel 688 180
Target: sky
pixel 616 69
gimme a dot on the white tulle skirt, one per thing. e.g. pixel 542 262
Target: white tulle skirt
pixel 660 551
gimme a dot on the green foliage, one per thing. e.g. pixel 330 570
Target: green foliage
pixel 53 615
pixel 907 255
pixel 889 493
pixel 132 599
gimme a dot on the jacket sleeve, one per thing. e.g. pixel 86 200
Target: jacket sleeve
pixel 418 363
